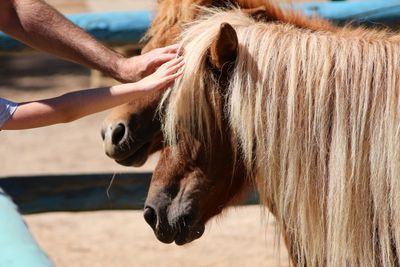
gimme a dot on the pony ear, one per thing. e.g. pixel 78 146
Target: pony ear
pixel 224 48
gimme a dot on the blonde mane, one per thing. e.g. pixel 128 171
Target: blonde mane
pixel 317 115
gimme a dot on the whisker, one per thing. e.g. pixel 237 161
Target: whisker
pixel 109 186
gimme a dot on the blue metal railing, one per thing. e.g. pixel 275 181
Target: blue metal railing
pixel 113 28
pixel 364 12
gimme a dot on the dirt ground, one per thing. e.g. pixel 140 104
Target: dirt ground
pixel 122 239
pixel 241 237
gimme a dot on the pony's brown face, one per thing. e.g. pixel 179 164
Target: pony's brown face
pixel 132 131
pixel 189 186
pixel 193 182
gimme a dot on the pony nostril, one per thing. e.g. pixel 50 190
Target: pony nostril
pixel 150 216
pixel 103 133
pixel 118 133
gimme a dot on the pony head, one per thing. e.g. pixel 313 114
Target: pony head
pixel 196 179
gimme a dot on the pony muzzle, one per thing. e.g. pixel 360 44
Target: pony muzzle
pixel 169 226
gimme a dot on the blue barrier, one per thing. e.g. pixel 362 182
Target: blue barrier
pixel 114 28
pixel 121 28
pixel 363 12
pixel 38 194
pixel 18 248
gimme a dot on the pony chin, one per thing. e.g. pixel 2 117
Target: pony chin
pixel 137 158
pixel 176 223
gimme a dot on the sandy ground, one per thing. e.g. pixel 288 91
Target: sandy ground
pixel 109 238
pixel 122 239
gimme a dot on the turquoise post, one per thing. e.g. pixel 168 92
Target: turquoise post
pixel 17 246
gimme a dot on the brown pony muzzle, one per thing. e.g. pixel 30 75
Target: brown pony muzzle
pixel 120 144
pixel 190 186
pixel 172 211
pixel 127 146
pixel 132 131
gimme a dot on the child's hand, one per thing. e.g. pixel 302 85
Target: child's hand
pixel 135 68
pixel 163 77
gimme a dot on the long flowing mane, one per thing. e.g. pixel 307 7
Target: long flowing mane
pixel 317 114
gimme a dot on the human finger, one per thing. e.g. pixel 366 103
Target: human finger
pixel 172 62
pixel 168 81
pixel 171 48
pixel 175 67
pixel 175 75
pixel 163 58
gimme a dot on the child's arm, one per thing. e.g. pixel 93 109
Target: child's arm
pixel 75 105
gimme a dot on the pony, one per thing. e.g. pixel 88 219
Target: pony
pixel 313 116
pixel 374 243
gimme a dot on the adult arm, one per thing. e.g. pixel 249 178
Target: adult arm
pixel 75 105
pixel 40 26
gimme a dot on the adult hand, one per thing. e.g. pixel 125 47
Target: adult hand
pixel 135 68
pixel 163 77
